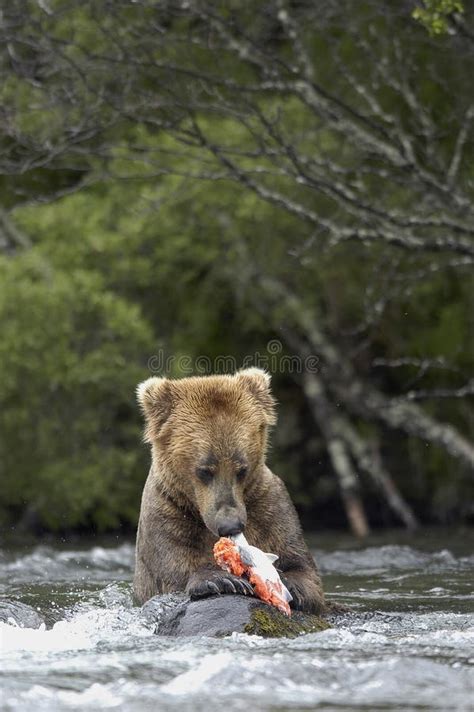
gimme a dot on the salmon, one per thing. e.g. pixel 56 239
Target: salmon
pixel 235 555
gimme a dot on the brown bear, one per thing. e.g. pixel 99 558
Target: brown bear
pixel 208 478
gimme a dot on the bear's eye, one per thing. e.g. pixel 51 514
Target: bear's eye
pixel 241 472
pixel 205 474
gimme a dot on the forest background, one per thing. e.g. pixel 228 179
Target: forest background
pixel 188 186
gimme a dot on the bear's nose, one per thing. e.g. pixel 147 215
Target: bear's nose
pixel 230 527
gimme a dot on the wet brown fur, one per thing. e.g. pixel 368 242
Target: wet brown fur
pixel 220 422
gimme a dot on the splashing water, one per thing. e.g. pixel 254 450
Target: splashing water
pixel 408 645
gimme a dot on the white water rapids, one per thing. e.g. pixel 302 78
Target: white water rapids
pixel 409 646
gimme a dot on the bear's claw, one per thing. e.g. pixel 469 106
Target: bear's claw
pixel 298 602
pixel 241 585
pixel 219 585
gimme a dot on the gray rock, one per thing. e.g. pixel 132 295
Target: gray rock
pixel 219 616
pixel 23 615
pixel 159 607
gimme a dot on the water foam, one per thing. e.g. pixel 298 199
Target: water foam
pixel 84 629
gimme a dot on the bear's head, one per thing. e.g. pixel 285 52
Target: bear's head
pixel 209 437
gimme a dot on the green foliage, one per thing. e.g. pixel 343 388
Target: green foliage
pixel 71 353
pixel 434 14
pixel 90 310
pixel 149 259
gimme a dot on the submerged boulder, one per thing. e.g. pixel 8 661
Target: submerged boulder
pixel 20 614
pixel 219 616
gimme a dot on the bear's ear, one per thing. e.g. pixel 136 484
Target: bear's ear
pixel 155 398
pixel 257 381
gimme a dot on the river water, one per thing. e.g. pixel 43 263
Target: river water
pixel 409 644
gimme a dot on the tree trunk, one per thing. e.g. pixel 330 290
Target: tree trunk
pixel 327 421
